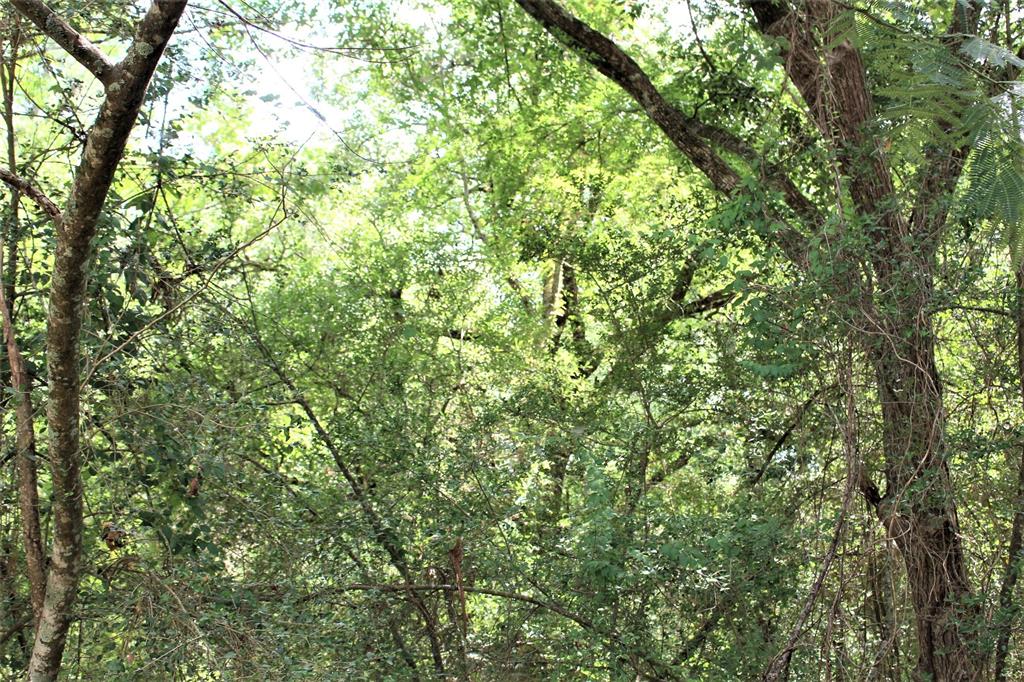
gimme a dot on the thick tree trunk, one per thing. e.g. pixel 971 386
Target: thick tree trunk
pixel 1008 610
pixel 919 509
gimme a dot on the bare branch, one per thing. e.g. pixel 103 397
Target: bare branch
pixel 32 192
pixel 73 42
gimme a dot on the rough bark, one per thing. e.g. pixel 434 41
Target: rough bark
pixel 125 85
pixel 918 508
pixel 1008 610
pixel 76 45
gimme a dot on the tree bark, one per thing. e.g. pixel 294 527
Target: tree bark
pixel 918 509
pixel 126 85
pixel 1008 611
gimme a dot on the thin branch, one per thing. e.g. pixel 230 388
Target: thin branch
pixel 778 668
pixel 482 236
pixel 707 304
pixel 977 309
pixel 1008 610
pixel 385 536
pixel 32 192
pixel 608 58
pixel 548 606
pixel 15 629
pixel 786 434
pixel 697 640
pixel 203 286
pixel 663 671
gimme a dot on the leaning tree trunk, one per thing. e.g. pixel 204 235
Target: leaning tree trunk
pixel 918 508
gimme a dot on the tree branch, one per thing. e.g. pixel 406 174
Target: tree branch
pixel 706 304
pixel 781 441
pixel 25 448
pixel 613 62
pixel 663 671
pixel 609 59
pixel 777 179
pixel 73 42
pixel 385 536
pixel 830 76
pixel 778 668
pixel 527 599
pixel 32 192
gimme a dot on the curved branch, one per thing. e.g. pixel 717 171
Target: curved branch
pixel 613 62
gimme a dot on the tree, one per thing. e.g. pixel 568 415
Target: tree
pixel 410 347
pixel 125 84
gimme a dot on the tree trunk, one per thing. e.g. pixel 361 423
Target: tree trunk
pixel 126 84
pixel 918 510
pixel 1007 613
pixel 25 453
pixel 25 446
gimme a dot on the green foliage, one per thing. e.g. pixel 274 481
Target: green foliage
pixel 482 302
pixel 995 189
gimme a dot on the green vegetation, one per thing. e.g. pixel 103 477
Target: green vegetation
pixel 512 340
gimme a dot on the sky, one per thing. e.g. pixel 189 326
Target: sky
pixel 284 102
